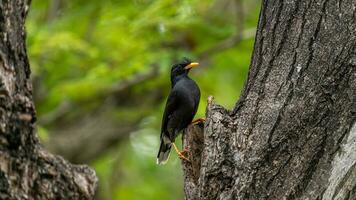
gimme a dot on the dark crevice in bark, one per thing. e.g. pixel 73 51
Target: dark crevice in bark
pixel 269 182
pixel 339 4
pixel 312 42
pixel 339 141
pixel 343 181
pixel 307 175
pixel 279 117
pixel 279 7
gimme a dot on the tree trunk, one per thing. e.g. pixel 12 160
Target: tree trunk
pixel 292 134
pixel 27 171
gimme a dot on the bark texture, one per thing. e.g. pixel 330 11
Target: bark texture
pixel 292 134
pixel 26 170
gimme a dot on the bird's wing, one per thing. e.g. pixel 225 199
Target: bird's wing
pixel 171 106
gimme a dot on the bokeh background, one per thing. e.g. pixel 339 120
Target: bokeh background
pixel 100 71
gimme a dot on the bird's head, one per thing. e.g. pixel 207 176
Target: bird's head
pixel 182 67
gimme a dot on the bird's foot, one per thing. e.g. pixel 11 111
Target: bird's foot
pixel 185 151
pixel 198 121
pixel 182 157
pixel 181 154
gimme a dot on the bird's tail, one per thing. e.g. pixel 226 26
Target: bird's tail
pixel 163 153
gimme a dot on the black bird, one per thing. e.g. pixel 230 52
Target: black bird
pixel 181 106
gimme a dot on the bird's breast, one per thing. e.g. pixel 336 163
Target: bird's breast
pixel 189 91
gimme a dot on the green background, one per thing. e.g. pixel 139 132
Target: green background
pixel 110 60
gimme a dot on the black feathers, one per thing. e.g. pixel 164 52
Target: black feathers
pixel 181 106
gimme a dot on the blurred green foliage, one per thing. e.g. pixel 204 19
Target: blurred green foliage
pixel 81 50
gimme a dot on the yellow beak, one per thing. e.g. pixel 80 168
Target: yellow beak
pixel 192 65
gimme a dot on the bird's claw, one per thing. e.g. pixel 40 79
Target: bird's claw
pixel 185 151
pixel 198 121
pixel 181 154
pixel 182 157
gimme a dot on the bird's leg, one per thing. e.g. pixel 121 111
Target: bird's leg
pixel 180 153
pixel 198 121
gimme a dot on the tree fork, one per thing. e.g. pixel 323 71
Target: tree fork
pixel 292 134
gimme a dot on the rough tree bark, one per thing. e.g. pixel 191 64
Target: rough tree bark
pixel 292 134
pixel 27 171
